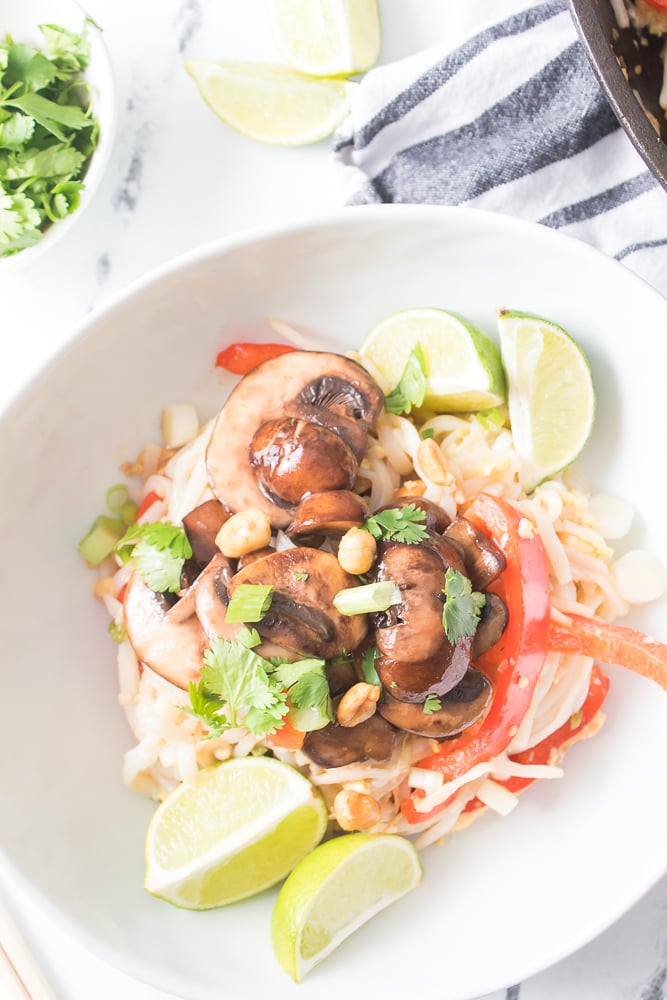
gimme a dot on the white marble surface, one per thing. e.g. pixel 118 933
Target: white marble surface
pixel 179 178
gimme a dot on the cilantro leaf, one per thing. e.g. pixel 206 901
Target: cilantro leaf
pixel 411 388
pixel 306 684
pixel 159 550
pixel 238 677
pixel 463 606
pixel 404 524
pixel 431 705
pixel 47 133
pixel 207 708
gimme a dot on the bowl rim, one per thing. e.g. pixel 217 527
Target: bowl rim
pixel 191 258
pixel 626 106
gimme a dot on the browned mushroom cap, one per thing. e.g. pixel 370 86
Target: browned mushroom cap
pixel 459 708
pixel 330 513
pixel 302 616
pixel 169 641
pixel 416 680
pixel 201 526
pixel 483 559
pixel 336 746
pixel 492 623
pixel 278 388
pixel 292 457
pixel 413 629
pixel 435 517
pixel 251 557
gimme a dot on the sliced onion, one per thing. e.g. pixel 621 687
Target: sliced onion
pixel 180 424
pixel 640 576
pixel 613 515
pixel 493 795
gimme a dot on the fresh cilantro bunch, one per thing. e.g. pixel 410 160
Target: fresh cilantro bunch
pixel 463 606
pixel 402 524
pixel 159 550
pixel 47 133
pixel 235 679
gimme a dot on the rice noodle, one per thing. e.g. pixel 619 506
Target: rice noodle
pixel 171 746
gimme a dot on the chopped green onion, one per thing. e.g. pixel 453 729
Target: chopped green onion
pixel 491 419
pixel 366 600
pixel 101 539
pixel 116 631
pixel 128 512
pixel 427 433
pixel 308 719
pixel 117 496
pixel 249 602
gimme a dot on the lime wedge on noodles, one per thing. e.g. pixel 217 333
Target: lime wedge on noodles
pixel 240 827
pixel 464 370
pixel 551 399
pixel 337 888
pixel 328 37
pixel 272 104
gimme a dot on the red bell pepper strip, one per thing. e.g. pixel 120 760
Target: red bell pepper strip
pixel 551 749
pixel 658 4
pixel 287 737
pixel 148 501
pixel 242 357
pixel 617 644
pixel 514 664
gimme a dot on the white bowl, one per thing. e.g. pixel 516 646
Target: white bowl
pixel 499 901
pixel 21 20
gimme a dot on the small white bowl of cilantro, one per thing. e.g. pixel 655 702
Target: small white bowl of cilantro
pixel 57 119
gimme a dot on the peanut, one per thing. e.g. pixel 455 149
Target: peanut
pixel 355 810
pixel 357 704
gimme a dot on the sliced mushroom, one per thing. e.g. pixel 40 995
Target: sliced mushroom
pixel 414 681
pixel 413 630
pixel 210 593
pixel 492 623
pixel 332 513
pixel 459 708
pixel 336 746
pixel 279 388
pixel 167 640
pixel 436 519
pixel 251 557
pixel 302 616
pixel 202 526
pixel 292 457
pixel 483 559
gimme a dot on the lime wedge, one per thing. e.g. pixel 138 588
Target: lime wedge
pixel 464 370
pixel 337 888
pixel 328 37
pixel 551 399
pixel 272 104
pixel 241 827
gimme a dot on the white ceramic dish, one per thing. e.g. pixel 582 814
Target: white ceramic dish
pixel 500 901
pixel 21 20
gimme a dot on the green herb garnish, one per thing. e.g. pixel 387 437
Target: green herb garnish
pixel 249 602
pixel 369 599
pixel 368 666
pixel 411 388
pixel 47 134
pixel 463 606
pixel 402 524
pixel 431 705
pixel 159 550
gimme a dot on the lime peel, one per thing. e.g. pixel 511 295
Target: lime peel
pixel 334 890
pixel 238 829
pixel 551 398
pixel 464 369
pixel 328 37
pixel 269 103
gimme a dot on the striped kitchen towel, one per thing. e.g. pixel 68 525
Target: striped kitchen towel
pixel 511 120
